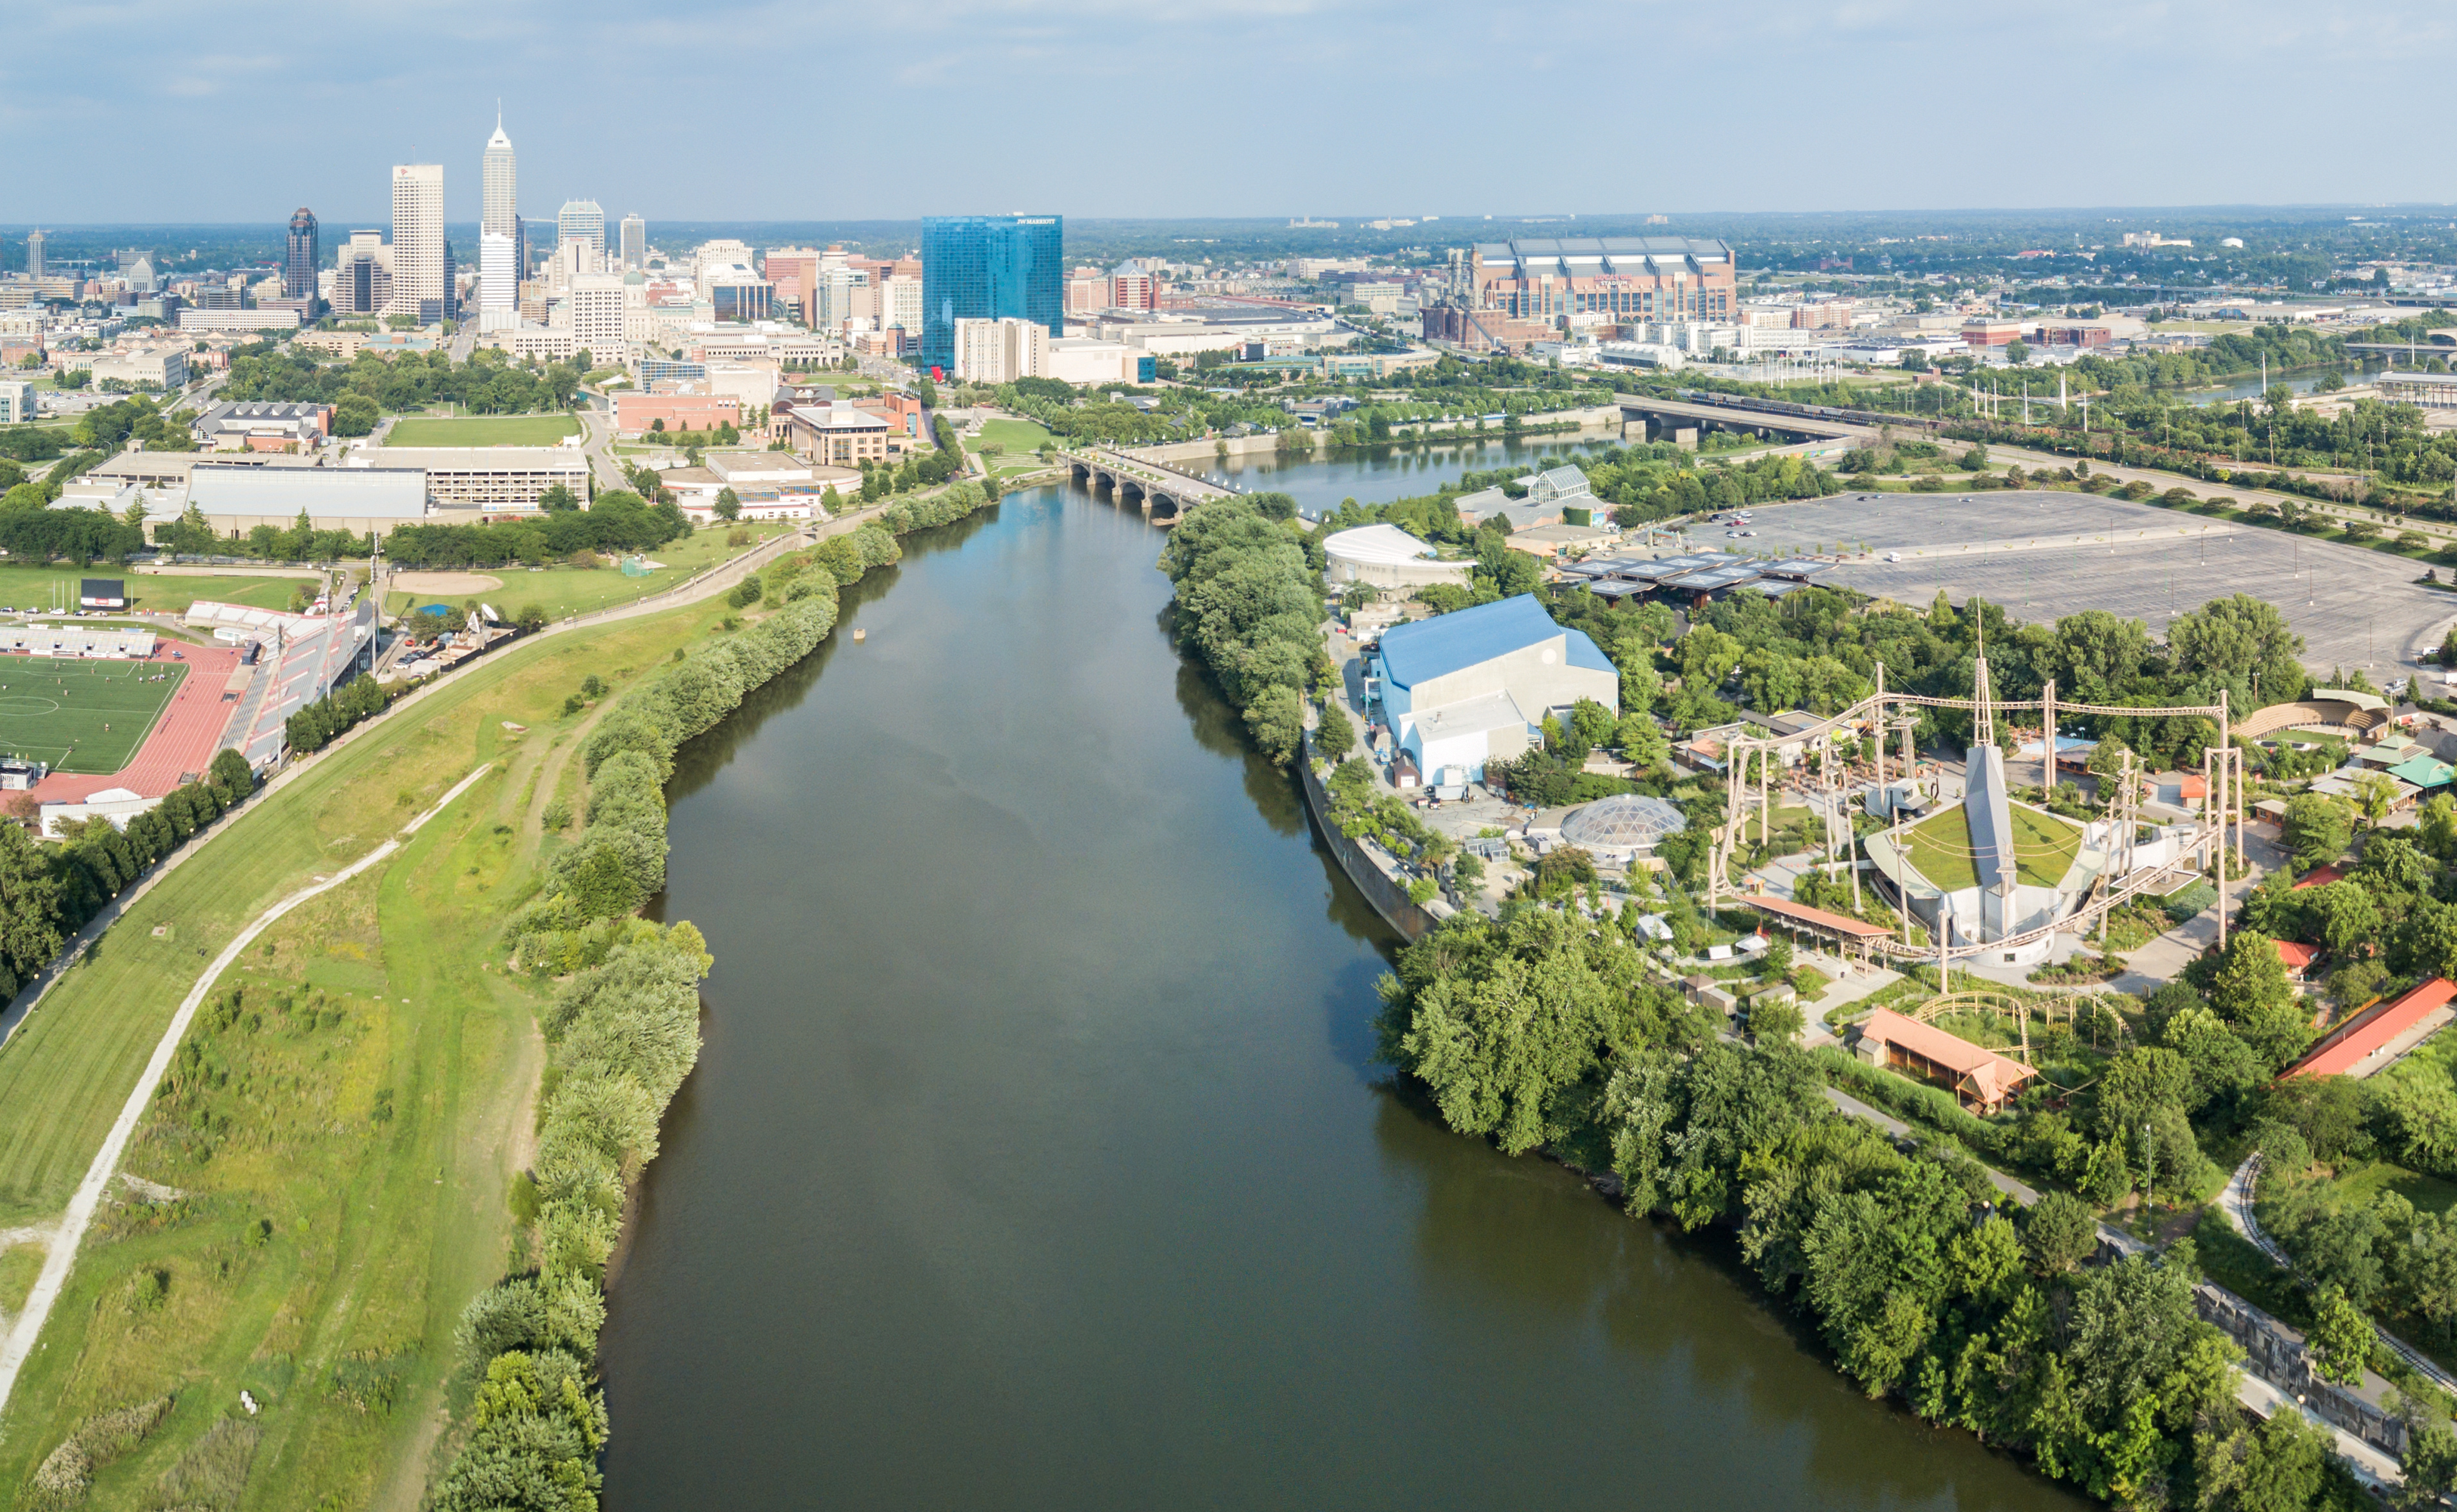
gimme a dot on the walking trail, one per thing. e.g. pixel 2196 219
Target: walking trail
pixel 28 1326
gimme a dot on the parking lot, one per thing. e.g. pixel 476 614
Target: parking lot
pixel 2043 555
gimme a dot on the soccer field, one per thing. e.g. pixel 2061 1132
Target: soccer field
pixel 81 715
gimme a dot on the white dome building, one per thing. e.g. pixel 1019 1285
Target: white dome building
pixel 1386 557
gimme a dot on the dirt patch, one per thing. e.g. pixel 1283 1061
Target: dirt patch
pixel 441 582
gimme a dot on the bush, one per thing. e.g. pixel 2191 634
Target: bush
pixel 2190 902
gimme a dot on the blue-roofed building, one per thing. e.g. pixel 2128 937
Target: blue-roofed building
pixel 1461 688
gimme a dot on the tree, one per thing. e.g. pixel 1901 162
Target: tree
pixel 2237 639
pixel 729 504
pixel 2317 828
pixel 231 777
pixel 1773 1022
pixel 2341 1338
pixel 2251 992
pixel 2430 1464
pixel 1335 736
pixel 2060 1233
pixel 2375 796
pixel 557 499
pixel 2017 352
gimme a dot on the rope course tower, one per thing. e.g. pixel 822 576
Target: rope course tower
pixel 2212 839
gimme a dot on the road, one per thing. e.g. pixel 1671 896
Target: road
pixel 597 432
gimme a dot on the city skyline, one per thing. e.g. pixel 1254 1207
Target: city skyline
pixel 2115 77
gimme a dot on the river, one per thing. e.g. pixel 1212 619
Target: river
pixel 1037 1159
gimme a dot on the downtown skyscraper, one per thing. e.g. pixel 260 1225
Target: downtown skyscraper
pixel 501 255
pixel 420 268
pixel 299 259
pixel 987 268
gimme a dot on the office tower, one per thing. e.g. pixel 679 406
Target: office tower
pixel 793 271
pixel 499 187
pixel 499 283
pixel 597 306
pixel 362 275
pixel 582 221
pixel 34 253
pixel 635 244
pixel 300 260
pixel 989 267
pixel 451 307
pixel 418 261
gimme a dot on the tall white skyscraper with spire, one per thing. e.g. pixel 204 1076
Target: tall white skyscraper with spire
pixel 499 185
pixel 500 254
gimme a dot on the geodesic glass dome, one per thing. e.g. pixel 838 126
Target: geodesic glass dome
pixel 1625 822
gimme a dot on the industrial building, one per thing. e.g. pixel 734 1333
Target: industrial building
pixel 362 499
pixel 1507 294
pixel 1461 688
pixel 262 426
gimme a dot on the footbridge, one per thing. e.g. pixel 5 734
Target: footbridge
pixel 1163 492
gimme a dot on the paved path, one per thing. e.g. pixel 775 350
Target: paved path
pixel 48 1285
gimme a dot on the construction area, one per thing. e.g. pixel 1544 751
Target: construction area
pixel 2042 555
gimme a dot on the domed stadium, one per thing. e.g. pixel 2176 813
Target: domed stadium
pixel 1624 827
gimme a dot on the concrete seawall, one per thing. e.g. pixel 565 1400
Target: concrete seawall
pixel 1388 895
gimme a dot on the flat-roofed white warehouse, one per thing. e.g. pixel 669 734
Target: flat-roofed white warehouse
pixel 2042 555
pixel 335 497
pixel 484 477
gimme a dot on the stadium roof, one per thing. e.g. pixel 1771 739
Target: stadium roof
pixel 1376 542
pixel 364 493
pixel 1446 643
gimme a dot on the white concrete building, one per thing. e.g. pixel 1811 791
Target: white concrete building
pixel 193 320
pixel 418 287
pixel 583 222
pixel 1384 556
pixel 491 477
pixel 1083 360
pixel 16 401
pixel 595 305
pixel 1000 351
pixel 499 283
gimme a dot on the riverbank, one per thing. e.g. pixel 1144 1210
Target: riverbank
pixel 324 1276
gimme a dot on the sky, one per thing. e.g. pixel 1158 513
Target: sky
pixel 154 112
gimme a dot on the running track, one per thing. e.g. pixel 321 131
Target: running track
pixel 184 739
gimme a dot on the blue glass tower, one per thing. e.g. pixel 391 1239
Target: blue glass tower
pixel 989 267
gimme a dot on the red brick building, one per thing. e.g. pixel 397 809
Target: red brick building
pixel 636 414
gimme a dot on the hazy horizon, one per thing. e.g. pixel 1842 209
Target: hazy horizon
pixel 1260 109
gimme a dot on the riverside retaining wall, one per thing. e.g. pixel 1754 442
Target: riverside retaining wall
pixel 1388 895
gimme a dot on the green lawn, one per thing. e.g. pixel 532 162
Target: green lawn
pixel 39 587
pixel 562 590
pixel 2043 847
pixel 82 715
pixel 2363 1184
pixel 482 430
pixel 344 1170
pixel 1024 436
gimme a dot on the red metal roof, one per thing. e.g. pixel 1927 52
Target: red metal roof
pixel 2348 1047
pixel 2296 956
pixel 1991 1076
pixel 1840 924
pixel 2318 877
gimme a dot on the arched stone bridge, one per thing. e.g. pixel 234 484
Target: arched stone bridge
pixel 1164 493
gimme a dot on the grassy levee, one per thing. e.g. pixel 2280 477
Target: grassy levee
pixel 336 1157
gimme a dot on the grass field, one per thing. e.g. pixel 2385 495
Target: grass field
pixel 339 1197
pixel 38 588
pixel 564 590
pixel 482 430
pixel 81 715
pixel 1017 436
pixel 2043 847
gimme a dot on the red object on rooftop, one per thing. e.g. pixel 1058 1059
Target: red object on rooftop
pixel 2318 877
pixel 2347 1048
